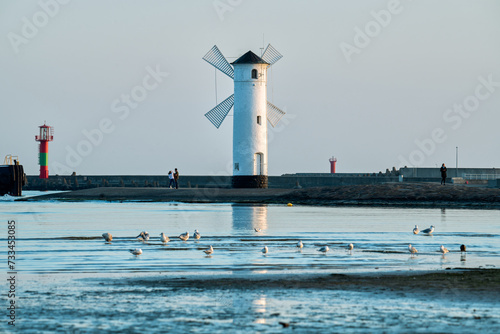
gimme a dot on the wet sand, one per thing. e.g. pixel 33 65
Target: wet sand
pixel 389 194
pixel 480 284
pixel 442 302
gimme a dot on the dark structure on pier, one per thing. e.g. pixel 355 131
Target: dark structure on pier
pixel 12 179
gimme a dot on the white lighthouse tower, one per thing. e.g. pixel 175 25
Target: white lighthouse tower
pixel 251 110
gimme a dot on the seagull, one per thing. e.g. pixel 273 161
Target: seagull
pixel 209 251
pixel 107 236
pixel 324 249
pixel 164 238
pixel 136 251
pixel 257 229
pixel 184 236
pixel 429 230
pixel 350 247
pixel 143 236
pixel 412 249
pixel 416 230
pixel 444 250
pixel 463 248
pixel 300 244
pixel 265 250
pixel 197 234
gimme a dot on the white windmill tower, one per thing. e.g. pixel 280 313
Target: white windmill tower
pixel 251 109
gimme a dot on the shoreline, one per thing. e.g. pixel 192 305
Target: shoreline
pixel 480 283
pixel 421 195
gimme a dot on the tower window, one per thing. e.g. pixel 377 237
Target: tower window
pixel 259 120
pixel 254 74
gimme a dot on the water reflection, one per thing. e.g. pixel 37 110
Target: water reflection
pixel 249 308
pixel 444 260
pixel 248 218
pixel 259 307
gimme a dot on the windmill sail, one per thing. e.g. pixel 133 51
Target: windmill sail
pixel 274 114
pixel 217 59
pixel 219 113
pixel 271 55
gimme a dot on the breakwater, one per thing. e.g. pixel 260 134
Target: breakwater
pixel 286 181
pixel 77 182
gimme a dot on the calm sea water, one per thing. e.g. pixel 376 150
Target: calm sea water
pixel 64 265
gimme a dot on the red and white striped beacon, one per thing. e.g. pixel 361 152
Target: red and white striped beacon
pixel 46 135
pixel 333 163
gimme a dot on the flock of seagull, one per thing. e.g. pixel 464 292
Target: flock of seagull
pixel 144 237
pixel 429 231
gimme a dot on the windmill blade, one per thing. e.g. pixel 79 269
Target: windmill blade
pixel 274 114
pixel 271 55
pixel 217 59
pixel 219 113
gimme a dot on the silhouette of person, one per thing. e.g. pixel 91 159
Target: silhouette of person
pixel 176 178
pixel 443 170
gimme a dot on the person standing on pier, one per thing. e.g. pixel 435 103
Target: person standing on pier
pixel 443 170
pixel 171 178
pixel 176 178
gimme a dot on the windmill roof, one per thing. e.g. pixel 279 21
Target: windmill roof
pixel 249 58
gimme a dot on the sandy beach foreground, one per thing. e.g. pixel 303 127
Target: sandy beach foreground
pixel 452 301
pixel 389 194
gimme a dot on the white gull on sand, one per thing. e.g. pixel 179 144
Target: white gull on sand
pixel 443 249
pixel 143 236
pixel 107 236
pixel 209 251
pixel 164 238
pixel 197 234
pixel 324 249
pixel 412 249
pixel 429 230
pixel 136 251
pixel 184 236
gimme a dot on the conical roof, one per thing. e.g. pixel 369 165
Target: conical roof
pixel 249 58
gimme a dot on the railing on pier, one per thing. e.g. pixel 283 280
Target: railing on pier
pixel 481 176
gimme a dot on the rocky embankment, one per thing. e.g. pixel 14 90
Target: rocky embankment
pixel 401 194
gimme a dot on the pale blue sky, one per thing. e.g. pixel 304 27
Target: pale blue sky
pixel 374 109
